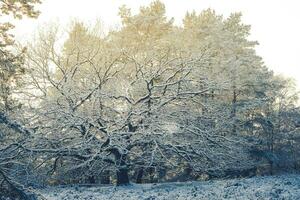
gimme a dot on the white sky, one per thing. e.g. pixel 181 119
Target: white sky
pixel 275 23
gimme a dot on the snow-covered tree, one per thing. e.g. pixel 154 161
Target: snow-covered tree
pixel 13 134
pixel 148 97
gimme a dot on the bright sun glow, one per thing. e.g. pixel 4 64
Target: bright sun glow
pixel 274 23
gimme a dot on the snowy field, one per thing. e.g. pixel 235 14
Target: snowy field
pixel 272 187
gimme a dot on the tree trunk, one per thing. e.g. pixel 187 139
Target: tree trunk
pixel 91 179
pixel 122 176
pixel 233 111
pixel 105 177
pixel 140 174
pixel 122 171
pixel 152 174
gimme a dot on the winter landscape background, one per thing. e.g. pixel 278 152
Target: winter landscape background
pixel 149 109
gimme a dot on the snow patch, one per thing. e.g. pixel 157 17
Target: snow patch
pixel 285 187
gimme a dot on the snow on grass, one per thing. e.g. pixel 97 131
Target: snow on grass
pixel 282 187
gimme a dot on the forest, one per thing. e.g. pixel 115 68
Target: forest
pixel 147 102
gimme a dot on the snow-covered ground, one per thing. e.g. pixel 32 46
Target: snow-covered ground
pixel 271 187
